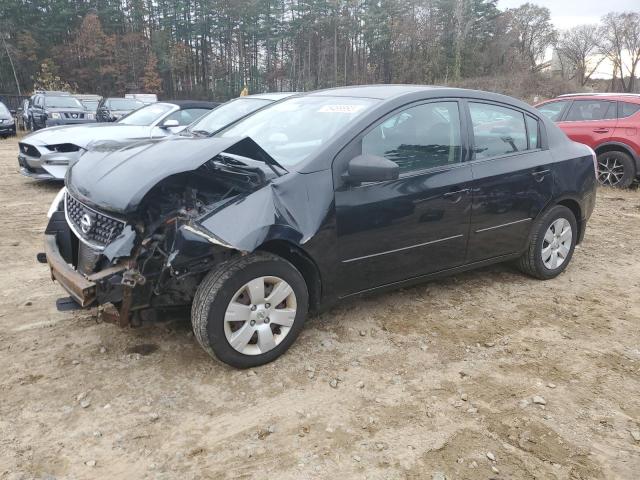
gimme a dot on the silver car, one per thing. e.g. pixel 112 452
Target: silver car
pixel 46 154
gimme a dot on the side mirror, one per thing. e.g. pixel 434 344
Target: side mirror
pixel 170 123
pixel 371 168
pixel 12 112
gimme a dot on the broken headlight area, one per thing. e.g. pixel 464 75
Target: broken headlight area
pixel 155 256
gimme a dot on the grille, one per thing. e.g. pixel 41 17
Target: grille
pixel 73 115
pixel 95 228
pixel 29 150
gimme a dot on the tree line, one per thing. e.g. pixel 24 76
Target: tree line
pixel 214 48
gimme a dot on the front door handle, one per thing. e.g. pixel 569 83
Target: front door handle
pixel 601 130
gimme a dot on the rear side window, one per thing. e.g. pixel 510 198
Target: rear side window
pixel 585 110
pixel 497 130
pixel 553 110
pixel 628 109
pixel 532 132
pixel 418 138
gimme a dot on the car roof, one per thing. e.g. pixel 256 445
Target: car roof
pixel 184 104
pixel 626 97
pixel 381 92
pixel 275 96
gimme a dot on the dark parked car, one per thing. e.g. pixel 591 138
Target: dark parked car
pixel 315 199
pixel 7 122
pixel 51 109
pixel 609 124
pixel 112 109
pixel 24 114
pixel 46 155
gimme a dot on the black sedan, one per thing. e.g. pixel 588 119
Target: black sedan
pixel 314 199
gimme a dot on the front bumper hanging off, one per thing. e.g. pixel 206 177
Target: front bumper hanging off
pixel 85 290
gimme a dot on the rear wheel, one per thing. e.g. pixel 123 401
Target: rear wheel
pixel 552 243
pixel 250 310
pixel 615 169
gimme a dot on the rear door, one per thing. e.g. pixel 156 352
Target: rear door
pixel 590 122
pixel 395 230
pixel 512 181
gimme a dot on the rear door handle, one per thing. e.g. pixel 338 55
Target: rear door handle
pixel 540 174
pixel 601 130
pixel 456 195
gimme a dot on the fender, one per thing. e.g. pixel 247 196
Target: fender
pixel 627 149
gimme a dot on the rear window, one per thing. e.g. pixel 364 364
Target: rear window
pixel 497 130
pixel 628 109
pixel 585 110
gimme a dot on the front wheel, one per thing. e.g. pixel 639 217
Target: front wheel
pixel 551 245
pixel 249 311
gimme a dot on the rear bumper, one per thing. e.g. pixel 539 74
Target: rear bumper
pixel 81 289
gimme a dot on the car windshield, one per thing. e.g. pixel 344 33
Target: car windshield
pixel 4 111
pixel 124 104
pixel 146 116
pixel 291 130
pixel 227 113
pixel 62 102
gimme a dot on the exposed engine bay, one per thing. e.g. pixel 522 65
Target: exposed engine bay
pixel 160 252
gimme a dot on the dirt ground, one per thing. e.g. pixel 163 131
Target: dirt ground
pixel 433 382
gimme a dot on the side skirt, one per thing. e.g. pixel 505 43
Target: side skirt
pixel 430 276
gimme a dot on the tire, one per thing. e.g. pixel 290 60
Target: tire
pixel 227 285
pixel 533 261
pixel 616 169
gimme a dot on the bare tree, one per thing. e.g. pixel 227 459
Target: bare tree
pixel 578 50
pixel 534 32
pixel 620 42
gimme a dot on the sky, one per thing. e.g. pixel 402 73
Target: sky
pixel 568 13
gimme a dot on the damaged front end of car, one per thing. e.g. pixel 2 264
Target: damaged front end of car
pixel 146 237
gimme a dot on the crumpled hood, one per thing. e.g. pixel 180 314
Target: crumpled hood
pixel 82 135
pixel 115 176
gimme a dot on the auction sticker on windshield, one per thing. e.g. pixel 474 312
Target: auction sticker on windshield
pixel 341 108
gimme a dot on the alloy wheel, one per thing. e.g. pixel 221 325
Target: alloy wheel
pixel 557 243
pixel 260 315
pixel 610 171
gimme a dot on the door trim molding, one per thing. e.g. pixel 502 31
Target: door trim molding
pixel 503 225
pixel 401 249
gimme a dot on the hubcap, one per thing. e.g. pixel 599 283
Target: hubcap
pixel 610 171
pixel 557 243
pixel 260 315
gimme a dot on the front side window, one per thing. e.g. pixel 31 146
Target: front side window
pixel 585 110
pixel 186 116
pixel 553 110
pixel 145 116
pixel 497 130
pixel 418 138
pixel 627 109
pixel 291 130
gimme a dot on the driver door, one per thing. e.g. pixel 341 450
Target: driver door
pixel 395 230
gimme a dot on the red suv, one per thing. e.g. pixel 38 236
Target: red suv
pixel 609 123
